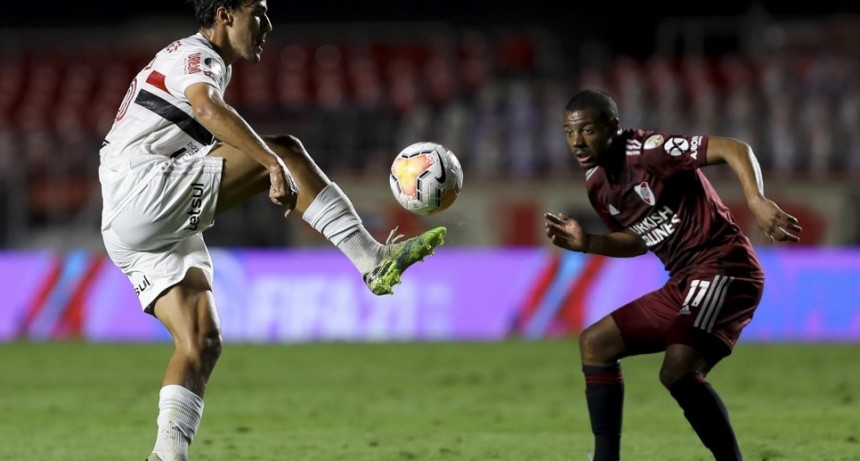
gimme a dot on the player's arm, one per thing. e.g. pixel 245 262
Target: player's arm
pixel 229 127
pixel 565 232
pixel 738 155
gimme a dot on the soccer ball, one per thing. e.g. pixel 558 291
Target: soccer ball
pixel 426 178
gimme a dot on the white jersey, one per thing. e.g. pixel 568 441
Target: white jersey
pixel 155 120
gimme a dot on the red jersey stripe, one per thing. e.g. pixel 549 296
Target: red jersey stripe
pixel 156 79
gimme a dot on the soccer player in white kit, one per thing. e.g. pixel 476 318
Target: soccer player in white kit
pixel 176 157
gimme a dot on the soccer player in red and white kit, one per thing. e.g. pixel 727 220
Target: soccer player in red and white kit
pixel 177 157
pixel 648 189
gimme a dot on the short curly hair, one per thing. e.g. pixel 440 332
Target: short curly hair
pixel 594 99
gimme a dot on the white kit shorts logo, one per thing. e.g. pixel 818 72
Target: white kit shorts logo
pixel 140 282
pixel 676 146
pixel 653 141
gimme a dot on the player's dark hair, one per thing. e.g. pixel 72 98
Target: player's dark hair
pixel 205 10
pixel 594 99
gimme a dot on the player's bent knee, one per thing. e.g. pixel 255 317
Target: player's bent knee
pixel 203 351
pixel 588 346
pixel 210 348
pixel 596 346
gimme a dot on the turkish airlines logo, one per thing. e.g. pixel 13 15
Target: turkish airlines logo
pixel 644 192
pixel 657 226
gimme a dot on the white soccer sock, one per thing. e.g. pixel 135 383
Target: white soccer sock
pixel 332 214
pixel 179 414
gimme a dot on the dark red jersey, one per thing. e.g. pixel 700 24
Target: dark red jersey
pixel 660 194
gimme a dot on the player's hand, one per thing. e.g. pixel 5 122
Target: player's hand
pixel 283 189
pixel 565 232
pixel 775 224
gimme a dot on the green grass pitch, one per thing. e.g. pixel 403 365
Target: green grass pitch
pixel 512 400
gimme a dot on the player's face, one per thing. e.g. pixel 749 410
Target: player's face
pixel 588 136
pixel 250 26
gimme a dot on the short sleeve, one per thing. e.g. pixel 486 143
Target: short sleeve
pixel 199 65
pixel 666 155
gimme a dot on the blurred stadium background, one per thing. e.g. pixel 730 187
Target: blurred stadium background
pixel 357 83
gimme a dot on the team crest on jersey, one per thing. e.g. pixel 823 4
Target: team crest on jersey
pixel 613 211
pixel 644 192
pixel 676 146
pixel 654 141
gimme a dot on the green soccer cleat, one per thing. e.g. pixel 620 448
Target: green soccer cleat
pixel 399 256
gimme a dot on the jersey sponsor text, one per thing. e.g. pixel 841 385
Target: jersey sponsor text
pixel 657 226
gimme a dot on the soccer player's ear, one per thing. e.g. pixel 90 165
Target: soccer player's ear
pixel 224 15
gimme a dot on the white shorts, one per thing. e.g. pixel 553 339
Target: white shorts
pixel 156 237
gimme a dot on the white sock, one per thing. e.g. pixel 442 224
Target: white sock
pixel 179 414
pixel 332 214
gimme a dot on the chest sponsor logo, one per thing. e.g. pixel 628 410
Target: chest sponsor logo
pixel 654 141
pixel 657 226
pixel 644 192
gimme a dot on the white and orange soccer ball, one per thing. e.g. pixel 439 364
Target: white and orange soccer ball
pixel 426 178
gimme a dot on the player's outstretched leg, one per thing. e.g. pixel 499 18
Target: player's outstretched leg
pixel 398 256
